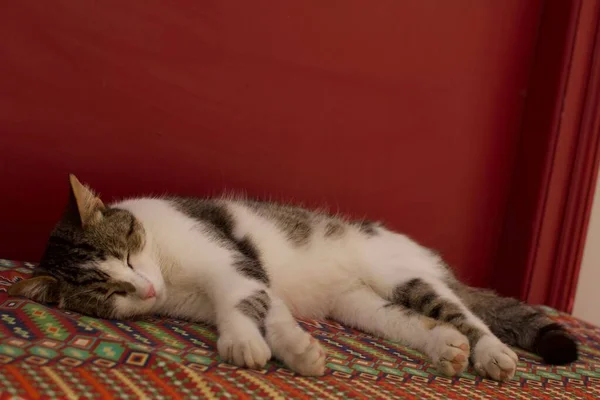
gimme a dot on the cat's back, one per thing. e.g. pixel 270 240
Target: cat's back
pixel 289 234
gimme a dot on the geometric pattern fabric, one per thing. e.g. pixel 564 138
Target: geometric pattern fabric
pixel 51 353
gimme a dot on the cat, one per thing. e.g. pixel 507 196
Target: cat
pixel 251 267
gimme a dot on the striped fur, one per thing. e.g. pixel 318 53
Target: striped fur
pixel 418 295
pixel 256 307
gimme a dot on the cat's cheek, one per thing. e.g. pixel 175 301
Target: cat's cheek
pixel 130 306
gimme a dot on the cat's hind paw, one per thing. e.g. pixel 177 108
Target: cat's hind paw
pixel 493 359
pixel 451 354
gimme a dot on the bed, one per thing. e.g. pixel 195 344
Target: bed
pixel 50 353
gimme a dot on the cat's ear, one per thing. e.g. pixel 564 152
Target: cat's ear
pixel 84 205
pixel 43 289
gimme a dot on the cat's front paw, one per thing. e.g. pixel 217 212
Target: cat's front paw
pixel 252 352
pixel 310 361
pixel 450 354
pixel 493 359
pixel 304 355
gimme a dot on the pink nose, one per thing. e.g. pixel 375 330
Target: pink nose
pixel 150 292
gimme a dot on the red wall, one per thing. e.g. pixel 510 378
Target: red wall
pixel 407 111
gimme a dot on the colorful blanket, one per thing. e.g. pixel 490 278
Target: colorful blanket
pixel 49 353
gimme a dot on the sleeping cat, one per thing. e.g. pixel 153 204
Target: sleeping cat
pixel 250 267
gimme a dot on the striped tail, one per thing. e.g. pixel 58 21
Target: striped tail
pixel 519 324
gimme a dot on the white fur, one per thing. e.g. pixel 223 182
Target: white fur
pixel 346 278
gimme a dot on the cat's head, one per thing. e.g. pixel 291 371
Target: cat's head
pixel 97 261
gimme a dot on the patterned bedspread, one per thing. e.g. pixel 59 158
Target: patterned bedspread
pixel 47 353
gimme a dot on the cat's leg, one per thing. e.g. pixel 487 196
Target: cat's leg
pixel 406 273
pixel 253 322
pixel 241 307
pixel 364 309
pixel 291 344
pixel 433 298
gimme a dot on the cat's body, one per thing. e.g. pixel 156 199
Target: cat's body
pixel 250 267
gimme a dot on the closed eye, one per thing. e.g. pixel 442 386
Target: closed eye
pixel 111 292
pixel 119 288
pixel 129 262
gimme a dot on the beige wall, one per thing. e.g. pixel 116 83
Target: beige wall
pixel 587 297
